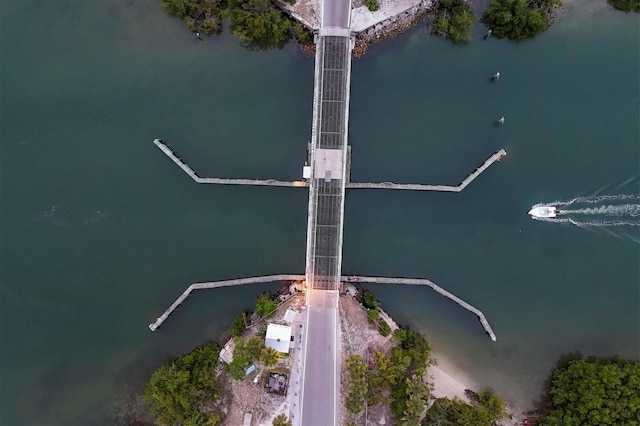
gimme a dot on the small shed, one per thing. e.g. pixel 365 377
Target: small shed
pixel 290 316
pixel 278 337
pixel 249 370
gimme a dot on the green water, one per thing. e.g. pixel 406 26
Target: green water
pixel 100 232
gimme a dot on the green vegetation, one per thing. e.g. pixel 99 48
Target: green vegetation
pixel 454 20
pixel 409 357
pixel 199 15
pixel 519 19
pixel 183 391
pixel 244 354
pixel 486 409
pixel 281 420
pixel 266 305
pixel 239 325
pixel 269 356
pixel 384 328
pixel 302 34
pixel 594 391
pixel 257 23
pixel 369 301
pixel 626 5
pixel 418 393
pixel 372 5
pixel 357 388
pixel 380 377
pixel 397 378
pixel 373 315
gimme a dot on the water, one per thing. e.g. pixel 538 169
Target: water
pixel 596 211
pixel 100 232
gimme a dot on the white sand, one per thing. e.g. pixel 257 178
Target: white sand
pixel 448 380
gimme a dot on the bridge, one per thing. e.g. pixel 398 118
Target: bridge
pixel 329 162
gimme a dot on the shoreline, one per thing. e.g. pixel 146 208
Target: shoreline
pixel 358 336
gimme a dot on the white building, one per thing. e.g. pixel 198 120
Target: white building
pixel 290 316
pixel 278 337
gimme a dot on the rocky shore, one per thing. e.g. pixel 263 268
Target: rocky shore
pixel 392 18
pixel 392 26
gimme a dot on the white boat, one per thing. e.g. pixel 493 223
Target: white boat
pixel 543 211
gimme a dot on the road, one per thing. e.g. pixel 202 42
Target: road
pixel 322 362
pixel 336 13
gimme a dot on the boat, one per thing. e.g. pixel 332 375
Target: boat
pixel 543 211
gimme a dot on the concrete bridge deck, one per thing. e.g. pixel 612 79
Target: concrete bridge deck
pixel 319 393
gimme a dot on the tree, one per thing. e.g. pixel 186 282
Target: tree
pixel 626 5
pixel 265 305
pixel 241 360
pixel 269 356
pixel 418 394
pixel 408 357
pixel 176 7
pixel 258 24
pixel 282 420
pixel 239 325
pixel 369 301
pixel 454 20
pixel 379 377
pixel 491 403
pixel 415 346
pixel 198 15
pixel 595 391
pixel 486 409
pixel 519 19
pixel 302 34
pixel 178 392
pixel 254 347
pixel 357 387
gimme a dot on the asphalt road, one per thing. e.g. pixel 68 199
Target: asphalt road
pixel 321 366
pixel 335 13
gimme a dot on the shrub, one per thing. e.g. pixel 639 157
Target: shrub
pixel 595 391
pixel 626 5
pixel 372 5
pixel 369 300
pixel 265 305
pixel 519 19
pixel 302 34
pixel 373 315
pixel 177 391
pixel 454 19
pixel 357 387
pixel 384 328
pixel 239 325
pixel 282 420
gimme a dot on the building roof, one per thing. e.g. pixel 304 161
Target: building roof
pixel 278 337
pixel 289 316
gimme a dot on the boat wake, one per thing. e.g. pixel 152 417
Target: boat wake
pixel 595 211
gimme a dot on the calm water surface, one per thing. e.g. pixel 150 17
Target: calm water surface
pixel 100 232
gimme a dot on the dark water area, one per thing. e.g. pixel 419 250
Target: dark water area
pixel 100 232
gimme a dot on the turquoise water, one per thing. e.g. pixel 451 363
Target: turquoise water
pixel 100 232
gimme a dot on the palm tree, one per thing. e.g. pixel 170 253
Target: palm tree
pixel 269 356
pixel 281 420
